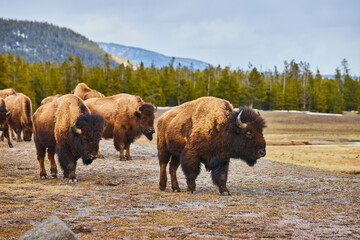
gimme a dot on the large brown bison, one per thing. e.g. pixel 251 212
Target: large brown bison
pixel 127 116
pixel 66 127
pixel 20 119
pixel 50 99
pixel 4 113
pixel 84 92
pixel 7 92
pixel 208 131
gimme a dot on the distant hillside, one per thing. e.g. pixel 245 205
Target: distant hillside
pixel 139 55
pixel 40 41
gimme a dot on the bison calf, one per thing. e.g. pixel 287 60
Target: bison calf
pixel 66 127
pixel 208 131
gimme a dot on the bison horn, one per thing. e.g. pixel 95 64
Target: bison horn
pixel 138 109
pixel 155 108
pixel 8 113
pixel 75 129
pixel 239 123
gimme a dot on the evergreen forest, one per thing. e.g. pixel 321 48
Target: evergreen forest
pixel 296 88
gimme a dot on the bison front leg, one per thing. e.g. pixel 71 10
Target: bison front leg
pixel 68 165
pixel 119 144
pixel 7 136
pixel 18 135
pixel 11 131
pixel 219 176
pixel 190 165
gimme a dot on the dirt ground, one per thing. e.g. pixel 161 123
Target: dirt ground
pixel 121 200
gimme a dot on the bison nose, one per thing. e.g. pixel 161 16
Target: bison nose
pixel 151 130
pixel 262 152
pixel 92 156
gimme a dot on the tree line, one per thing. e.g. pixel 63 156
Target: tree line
pixel 296 88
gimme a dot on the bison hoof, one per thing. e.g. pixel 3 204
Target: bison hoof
pixel 128 158
pixel 73 180
pixel 54 175
pixel 177 190
pixel 11 146
pixel 226 194
pixel 162 188
pixel 191 192
pixel 43 177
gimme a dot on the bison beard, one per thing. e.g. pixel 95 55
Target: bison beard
pixel 207 131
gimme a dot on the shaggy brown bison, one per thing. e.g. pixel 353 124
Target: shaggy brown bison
pixel 4 113
pixel 66 127
pixel 128 117
pixel 20 119
pixel 208 131
pixel 84 92
pixel 50 99
pixel 7 92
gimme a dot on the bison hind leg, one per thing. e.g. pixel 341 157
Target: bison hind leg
pixel 174 165
pixel 164 157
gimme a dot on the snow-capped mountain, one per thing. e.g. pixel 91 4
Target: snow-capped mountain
pixel 139 55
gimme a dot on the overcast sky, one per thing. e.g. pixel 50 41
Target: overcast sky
pixel 227 32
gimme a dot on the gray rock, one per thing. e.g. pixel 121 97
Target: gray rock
pixel 50 229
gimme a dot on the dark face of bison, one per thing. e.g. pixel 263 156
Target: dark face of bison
pixel 3 119
pixel 145 114
pixel 88 130
pixel 248 142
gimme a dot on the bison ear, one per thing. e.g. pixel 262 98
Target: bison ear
pixel 75 129
pixel 8 113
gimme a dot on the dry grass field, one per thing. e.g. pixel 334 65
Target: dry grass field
pixel 295 138
pixel 276 199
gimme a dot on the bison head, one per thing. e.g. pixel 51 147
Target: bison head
pixel 27 132
pixel 145 115
pixel 3 118
pixel 88 129
pixel 247 142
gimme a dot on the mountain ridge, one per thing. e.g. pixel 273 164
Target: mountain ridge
pixel 42 41
pixel 149 57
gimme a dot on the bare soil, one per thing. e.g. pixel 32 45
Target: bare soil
pixel 121 200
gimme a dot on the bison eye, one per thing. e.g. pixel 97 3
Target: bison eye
pixel 249 134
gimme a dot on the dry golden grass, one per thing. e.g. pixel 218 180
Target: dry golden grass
pixel 288 129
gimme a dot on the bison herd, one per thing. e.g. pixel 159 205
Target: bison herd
pixel 205 131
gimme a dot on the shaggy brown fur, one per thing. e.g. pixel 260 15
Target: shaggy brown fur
pixel 50 99
pixel 54 131
pixel 20 119
pixel 4 113
pixel 7 92
pixel 125 123
pixel 84 92
pixel 205 131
